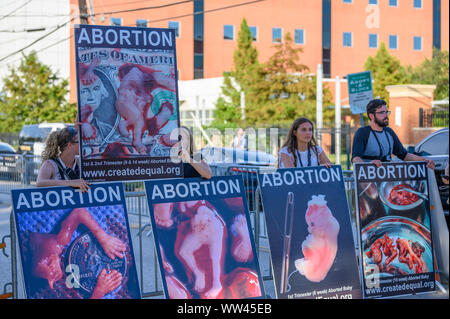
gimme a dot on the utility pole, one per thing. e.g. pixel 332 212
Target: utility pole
pixel 83 12
pixel 91 10
pixel 337 119
pixel 319 103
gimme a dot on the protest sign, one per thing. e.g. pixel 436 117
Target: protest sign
pixel 127 102
pixel 203 232
pixel 393 214
pixel 360 91
pixel 310 235
pixel 74 244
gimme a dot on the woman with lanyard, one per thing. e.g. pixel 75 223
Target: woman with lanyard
pixel 300 148
pixel 60 165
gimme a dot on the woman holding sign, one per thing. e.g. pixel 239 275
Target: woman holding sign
pixel 300 148
pixel 60 166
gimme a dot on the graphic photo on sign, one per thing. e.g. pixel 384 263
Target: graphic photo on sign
pixel 393 213
pixel 310 235
pixel 127 102
pixel 75 245
pixel 206 247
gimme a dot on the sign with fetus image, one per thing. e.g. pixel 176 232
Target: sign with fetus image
pixel 310 234
pixel 393 211
pixel 206 247
pixel 127 102
pixel 75 245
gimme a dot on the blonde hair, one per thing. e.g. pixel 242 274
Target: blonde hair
pixel 56 142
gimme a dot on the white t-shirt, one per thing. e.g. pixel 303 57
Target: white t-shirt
pixel 303 156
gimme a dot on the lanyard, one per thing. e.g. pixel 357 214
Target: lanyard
pixel 379 144
pixel 300 157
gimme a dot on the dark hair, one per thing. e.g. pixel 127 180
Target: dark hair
pixel 374 105
pixel 291 139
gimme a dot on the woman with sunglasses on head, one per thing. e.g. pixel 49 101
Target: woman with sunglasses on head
pixel 60 162
pixel 300 148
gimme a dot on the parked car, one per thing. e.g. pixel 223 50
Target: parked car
pixel 232 161
pixel 8 162
pixel 229 155
pixel 436 147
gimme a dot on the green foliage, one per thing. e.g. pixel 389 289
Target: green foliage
pixel 276 92
pixel 32 94
pixel 386 70
pixel 434 71
pixel 289 89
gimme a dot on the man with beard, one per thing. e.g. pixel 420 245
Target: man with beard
pixel 377 142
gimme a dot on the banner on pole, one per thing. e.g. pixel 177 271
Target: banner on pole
pixel 360 91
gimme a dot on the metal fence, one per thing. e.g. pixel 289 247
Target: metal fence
pixel 140 224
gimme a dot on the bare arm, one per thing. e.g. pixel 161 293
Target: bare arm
pixel 46 179
pixel 358 159
pixel 413 157
pixel 323 160
pixel 287 161
pixel 201 167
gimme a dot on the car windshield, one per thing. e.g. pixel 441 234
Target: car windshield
pixel 34 133
pixel 435 145
pixel 5 149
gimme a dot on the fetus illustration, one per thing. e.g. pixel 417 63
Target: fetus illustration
pixel 134 100
pixel 200 245
pixel 241 248
pixel 320 246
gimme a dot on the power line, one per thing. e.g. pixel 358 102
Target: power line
pixel 15 10
pixel 37 40
pixel 137 9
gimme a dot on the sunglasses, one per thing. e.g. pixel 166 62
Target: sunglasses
pixel 70 138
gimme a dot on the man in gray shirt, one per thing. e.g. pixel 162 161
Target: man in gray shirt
pixel 377 142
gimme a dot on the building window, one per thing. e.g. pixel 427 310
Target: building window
pixel 276 35
pixel 373 40
pixel 393 42
pixel 375 2
pixel 115 21
pixel 228 32
pixel 393 3
pixel 347 39
pixel 418 4
pixel 299 36
pixel 198 38
pixel 437 24
pixel 254 31
pixel 417 43
pixel 176 26
pixel 141 23
pixel 347 1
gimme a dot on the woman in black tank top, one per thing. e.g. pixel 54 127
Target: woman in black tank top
pixel 191 167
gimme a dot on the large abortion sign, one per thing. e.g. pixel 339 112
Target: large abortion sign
pixel 310 234
pixel 393 213
pixel 127 102
pixel 203 236
pixel 75 245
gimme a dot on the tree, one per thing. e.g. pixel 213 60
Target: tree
pixel 34 94
pixel 288 88
pixel 434 71
pixel 386 70
pixel 244 77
